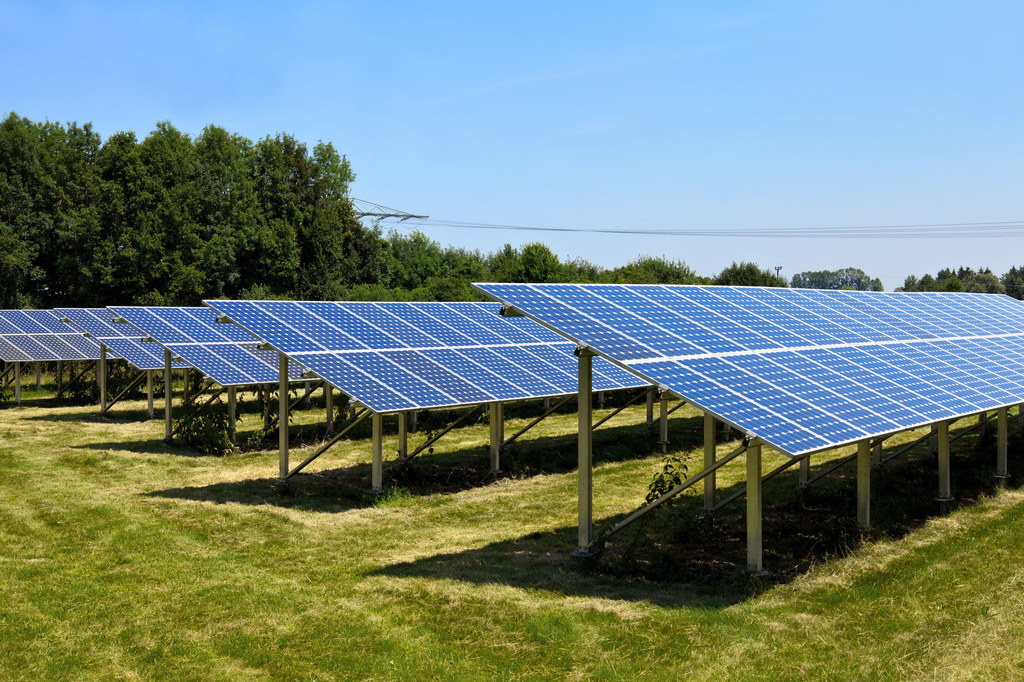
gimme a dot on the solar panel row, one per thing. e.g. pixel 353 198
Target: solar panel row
pixel 40 336
pixel 225 353
pixel 803 370
pixel 98 324
pixel 401 356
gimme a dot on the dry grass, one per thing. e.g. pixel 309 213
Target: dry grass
pixel 125 558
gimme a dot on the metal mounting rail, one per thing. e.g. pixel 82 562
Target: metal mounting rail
pixel 536 421
pixel 634 399
pixel 433 439
pixel 678 489
pixel 360 416
pixel 135 382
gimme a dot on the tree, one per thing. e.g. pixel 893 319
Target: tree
pixel 747 274
pixel 651 270
pixel 846 278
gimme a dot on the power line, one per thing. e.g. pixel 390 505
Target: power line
pixel 1013 228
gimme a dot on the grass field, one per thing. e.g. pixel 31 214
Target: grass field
pixel 122 557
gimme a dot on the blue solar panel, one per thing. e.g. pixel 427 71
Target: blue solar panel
pixel 398 356
pixel 801 369
pixel 123 340
pixel 41 336
pixel 225 353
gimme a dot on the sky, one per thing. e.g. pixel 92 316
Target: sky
pixel 606 115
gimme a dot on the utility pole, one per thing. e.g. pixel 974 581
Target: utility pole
pixel 778 273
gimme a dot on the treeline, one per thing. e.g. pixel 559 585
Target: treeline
pixel 171 219
pixel 982 281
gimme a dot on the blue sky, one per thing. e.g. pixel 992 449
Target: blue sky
pixel 654 115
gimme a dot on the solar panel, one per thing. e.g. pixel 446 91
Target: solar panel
pixel 226 354
pixel 402 356
pixel 801 369
pixel 40 336
pixel 97 323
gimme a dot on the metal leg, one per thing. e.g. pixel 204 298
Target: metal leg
pixel 39 377
pixel 876 454
pixel 709 459
pixel 1001 444
pixel 282 417
pixel 547 403
pixel 600 400
pixel 933 443
pixel 864 485
pixel 329 406
pixel 168 427
pixel 650 411
pixel 17 383
pixel 403 436
pixel 232 411
pixel 149 391
pixel 585 489
pixel 377 465
pixel 308 395
pixel 754 540
pixel 945 488
pixel 101 373
pixel 663 420
pixel 60 379
pixel 497 435
pixel 185 384
pixel 805 472
pixel 413 415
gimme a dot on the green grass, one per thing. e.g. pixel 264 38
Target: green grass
pixel 121 557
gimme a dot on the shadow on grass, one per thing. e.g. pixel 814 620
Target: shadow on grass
pixel 674 556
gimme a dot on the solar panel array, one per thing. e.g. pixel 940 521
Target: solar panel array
pixel 401 356
pixel 804 370
pixel 40 336
pixel 225 353
pixel 97 323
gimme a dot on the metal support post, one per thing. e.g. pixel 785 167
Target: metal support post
pixel 17 383
pixel 329 406
pixel 1002 472
pixel 282 417
pixel 497 435
pixel 547 403
pixel 864 485
pixel 876 454
pixel 933 443
pixel 982 426
pixel 650 411
pixel 60 378
pixel 101 372
pixel 709 460
pixel 663 420
pixel 600 400
pixel 403 436
pixel 39 377
pixel 755 563
pixel 945 488
pixel 168 427
pixel 149 391
pixel 585 490
pixel 232 411
pixel 185 384
pixel 377 464
pixel 308 395
pixel 805 473
pixel 412 421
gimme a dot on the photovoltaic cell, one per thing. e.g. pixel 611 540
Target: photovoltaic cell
pixel 801 369
pixel 400 356
pixel 40 336
pixel 225 353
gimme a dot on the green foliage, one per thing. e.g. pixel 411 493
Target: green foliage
pixel 747 274
pixel 982 281
pixel 846 278
pixel 673 472
pixel 205 427
pixel 651 270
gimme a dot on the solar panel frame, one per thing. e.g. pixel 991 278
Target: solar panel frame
pixel 873 363
pixel 397 356
pixel 226 355
pixel 40 336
